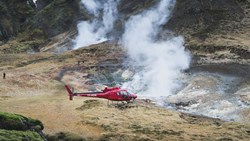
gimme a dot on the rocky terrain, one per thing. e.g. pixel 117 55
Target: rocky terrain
pixel 215 31
pixel 36 56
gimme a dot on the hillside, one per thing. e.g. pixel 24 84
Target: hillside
pixel 215 29
pixel 211 102
pixel 34 87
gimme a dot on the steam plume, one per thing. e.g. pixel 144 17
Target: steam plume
pixel 96 30
pixel 160 62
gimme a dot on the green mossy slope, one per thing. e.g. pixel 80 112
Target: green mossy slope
pixel 15 127
pixel 13 135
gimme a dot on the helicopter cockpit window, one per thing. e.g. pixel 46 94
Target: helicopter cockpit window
pixel 124 93
pixel 129 92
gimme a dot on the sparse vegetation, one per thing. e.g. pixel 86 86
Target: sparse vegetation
pixel 89 104
pixel 13 135
pixel 62 136
pixel 106 127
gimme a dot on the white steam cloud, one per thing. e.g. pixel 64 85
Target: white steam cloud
pixel 92 6
pixel 96 30
pixel 160 62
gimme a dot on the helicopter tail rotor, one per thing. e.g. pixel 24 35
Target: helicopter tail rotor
pixel 70 92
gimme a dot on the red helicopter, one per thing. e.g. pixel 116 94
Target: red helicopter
pixel 114 94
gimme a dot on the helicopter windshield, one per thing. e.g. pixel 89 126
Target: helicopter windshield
pixel 128 93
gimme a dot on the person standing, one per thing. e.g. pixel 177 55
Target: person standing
pixel 4 74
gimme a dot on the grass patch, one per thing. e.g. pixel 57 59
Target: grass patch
pixel 18 122
pixel 88 104
pixel 122 137
pixel 12 135
pixel 157 133
pixel 106 127
pixel 64 136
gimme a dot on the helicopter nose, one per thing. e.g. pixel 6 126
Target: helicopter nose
pixel 135 96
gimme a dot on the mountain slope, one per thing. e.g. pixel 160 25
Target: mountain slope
pixel 214 30
pixel 208 26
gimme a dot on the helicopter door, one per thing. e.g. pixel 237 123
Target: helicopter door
pixel 124 94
